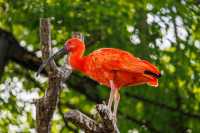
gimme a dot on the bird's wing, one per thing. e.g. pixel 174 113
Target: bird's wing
pixel 114 59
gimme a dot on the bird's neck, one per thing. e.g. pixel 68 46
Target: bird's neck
pixel 76 60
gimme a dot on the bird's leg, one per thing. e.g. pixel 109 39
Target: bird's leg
pixel 111 98
pixel 112 86
pixel 116 103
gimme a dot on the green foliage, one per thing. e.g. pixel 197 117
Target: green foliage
pixel 164 32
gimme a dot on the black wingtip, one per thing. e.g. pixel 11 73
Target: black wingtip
pixel 159 75
pixel 152 74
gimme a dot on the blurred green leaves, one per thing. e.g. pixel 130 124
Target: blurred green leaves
pixel 168 36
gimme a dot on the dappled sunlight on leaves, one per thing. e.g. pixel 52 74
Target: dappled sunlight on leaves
pixel 165 33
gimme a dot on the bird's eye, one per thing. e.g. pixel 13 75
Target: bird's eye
pixel 69 42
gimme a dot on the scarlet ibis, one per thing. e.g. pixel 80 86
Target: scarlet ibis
pixel 111 67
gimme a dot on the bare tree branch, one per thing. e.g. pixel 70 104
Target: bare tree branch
pixel 64 120
pixel 91 126
pixel 108 123
pixel 82 121
pixel 46 105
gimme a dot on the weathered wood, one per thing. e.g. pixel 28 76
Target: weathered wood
pixel 46 105
pixel 107 125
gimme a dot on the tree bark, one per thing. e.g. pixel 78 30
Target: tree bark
pixel 46 105
pixel 107 125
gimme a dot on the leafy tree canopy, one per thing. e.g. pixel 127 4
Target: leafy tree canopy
pixel 163 32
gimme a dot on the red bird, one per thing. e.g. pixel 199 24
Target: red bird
pixel 111 67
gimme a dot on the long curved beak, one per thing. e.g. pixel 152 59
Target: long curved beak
pixel 60 53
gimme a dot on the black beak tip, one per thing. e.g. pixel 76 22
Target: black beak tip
pixel 41 67
pixel 38 72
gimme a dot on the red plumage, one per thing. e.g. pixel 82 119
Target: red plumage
pixel 106 64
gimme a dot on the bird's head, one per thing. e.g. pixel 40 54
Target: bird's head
pixel 71 45
pixel 74 44
pixel 151 73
